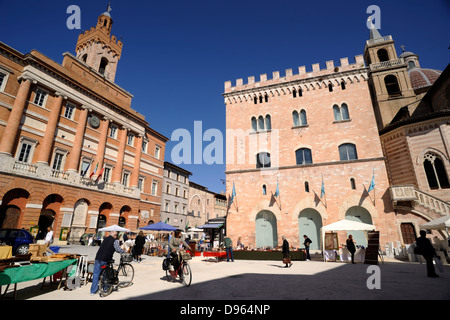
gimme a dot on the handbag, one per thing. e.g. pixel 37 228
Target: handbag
pixel 438 263
pixel 166 264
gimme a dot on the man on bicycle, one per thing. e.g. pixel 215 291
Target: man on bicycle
pixel 104 255
pixel 174 247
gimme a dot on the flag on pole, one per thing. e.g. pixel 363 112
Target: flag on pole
pixel 322 190
pixel 84 172
pixel 277 191
pixel 100 174
pixel 93 172
pixel 233 194
pixel 372 183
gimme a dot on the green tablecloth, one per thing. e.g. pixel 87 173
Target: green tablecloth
pixel 34 271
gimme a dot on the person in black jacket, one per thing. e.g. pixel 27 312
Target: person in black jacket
pixel 427 250
pixel 105 254
pixel 307 244
pixel 139 243
pixel 286 258
pixel 351 247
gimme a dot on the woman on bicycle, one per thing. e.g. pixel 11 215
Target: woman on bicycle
pixel 174 246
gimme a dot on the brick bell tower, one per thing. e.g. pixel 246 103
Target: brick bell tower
pixel 98 49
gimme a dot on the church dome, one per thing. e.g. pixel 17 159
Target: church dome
pixel 421 78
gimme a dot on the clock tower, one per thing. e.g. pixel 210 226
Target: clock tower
pixel 99 49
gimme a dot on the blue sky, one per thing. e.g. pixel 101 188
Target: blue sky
pixel 178 54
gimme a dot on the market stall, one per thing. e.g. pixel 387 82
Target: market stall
pixel 160 227
pixel 342 225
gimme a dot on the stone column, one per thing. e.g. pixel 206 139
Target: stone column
pixel 117 173
pixel 74 157
pixel 44 155
pixel 137 161
pixel 12 126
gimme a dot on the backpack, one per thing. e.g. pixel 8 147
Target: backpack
pixel 165 264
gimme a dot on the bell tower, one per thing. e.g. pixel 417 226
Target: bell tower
pixel 99 49
pixel 389 82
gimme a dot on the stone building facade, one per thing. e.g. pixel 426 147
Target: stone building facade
pixel 175 194
pixel 74 155
pixel 303 148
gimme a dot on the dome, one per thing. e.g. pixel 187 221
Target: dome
pixel 421 78
pixel 407 54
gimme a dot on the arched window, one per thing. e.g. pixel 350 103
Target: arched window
pixel 303 156
pixel 260 123
pixel 103 64
pixel 435 171
pixel 383 55
pixel 347 151
pixel 254 124
pixel 84 58
pixel 255 100
pixel 260 99
pixel 300 92
pixel 306 186
pixel 263 160
pixel 303 120
pixel 268 122
pixel 392 86
pixel 330 87
pixel 342 85
pixel 411 64
pixel 264 190
pixel 296 118
pixel 266 98
pixel 352 183
pixel 341 113
pixel 294 93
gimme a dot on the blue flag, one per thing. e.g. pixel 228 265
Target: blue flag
pixel 322 190
pixel 277 192
pixel 233 194
pixel 372 183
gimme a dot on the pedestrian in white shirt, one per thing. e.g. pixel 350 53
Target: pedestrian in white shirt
pixel 49 237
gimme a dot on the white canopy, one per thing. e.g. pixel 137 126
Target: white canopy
pixel 442 223
pixel 195 230
pixel 348 225
pixel 345 225
pixel 114 228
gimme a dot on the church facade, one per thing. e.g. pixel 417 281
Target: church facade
pixel 74 155
pixel 311 148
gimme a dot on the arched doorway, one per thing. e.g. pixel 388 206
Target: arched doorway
pixel 310 223
pixel 358 214
pixel 124 212
pixel 45 220
pixel 101 222
pixel 266 230
pixel 13 203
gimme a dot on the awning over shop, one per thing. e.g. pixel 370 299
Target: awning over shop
pixel 211 226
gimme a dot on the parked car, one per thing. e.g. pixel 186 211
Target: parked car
pixel 19 239
pixel 85 239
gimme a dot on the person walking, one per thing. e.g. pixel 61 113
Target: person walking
pixel 286 257
pixel 307 244
pixel 228 248
pixel 351 247
pixel 104 254
pixel 427 250
pixel 49 236
pixel 139 243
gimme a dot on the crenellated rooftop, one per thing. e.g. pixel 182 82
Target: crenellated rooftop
pixel 330 70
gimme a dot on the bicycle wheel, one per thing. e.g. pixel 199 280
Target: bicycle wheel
pixel 104 286
pixel 187 274
pixel 126 275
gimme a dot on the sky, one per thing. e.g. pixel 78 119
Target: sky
pixel 178 54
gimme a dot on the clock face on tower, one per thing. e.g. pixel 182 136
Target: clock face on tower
pixel 94 121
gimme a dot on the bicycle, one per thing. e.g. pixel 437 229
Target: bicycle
pixel 111 278
pixel 184 271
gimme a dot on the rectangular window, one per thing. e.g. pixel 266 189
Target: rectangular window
pixel 40 97
pixel 84 167
pixel 130 139
pixel 57 162
pixel 69 112
pixel 25 150
pixel 176 208
pixel 107 174
pixel 157 150
pixel 154 188
pixel 113 131
pixel 141 184
pixel 144 146
pixel 125 178
pixel 2 80
pixel 166 207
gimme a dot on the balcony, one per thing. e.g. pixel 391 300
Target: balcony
pixel 409 193
pixel 43 172
pixel 386 64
